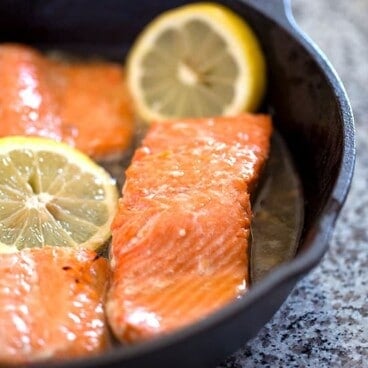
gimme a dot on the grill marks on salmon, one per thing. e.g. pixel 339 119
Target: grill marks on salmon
pixel 180 237
pixel 84 104
pixel 52 304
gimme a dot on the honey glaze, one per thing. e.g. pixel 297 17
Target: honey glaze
pixel 278 213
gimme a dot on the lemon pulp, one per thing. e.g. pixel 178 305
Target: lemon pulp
pixel 51 194
pixel 196 60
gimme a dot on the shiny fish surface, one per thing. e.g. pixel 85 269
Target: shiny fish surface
pixel 51 304
pixel 85 104
pixel 180 237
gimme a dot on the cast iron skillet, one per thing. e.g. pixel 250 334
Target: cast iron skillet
pixel 311 111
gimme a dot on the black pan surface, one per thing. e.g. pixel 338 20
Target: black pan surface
pixel 311 112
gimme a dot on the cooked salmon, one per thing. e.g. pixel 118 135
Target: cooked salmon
pixel 85 104
pixel 51 304
pixel 96 110
pixel 28 104
pixel 180 237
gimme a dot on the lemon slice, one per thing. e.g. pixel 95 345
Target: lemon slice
pixel 194 61
pixel 51 194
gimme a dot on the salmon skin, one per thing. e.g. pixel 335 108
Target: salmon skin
pixel 51 304
pixel 84 104
pixel 180 237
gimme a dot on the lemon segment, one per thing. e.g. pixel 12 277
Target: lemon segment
pixel 193 61
pixel 52 194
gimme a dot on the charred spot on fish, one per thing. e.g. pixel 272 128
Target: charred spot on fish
pixel 77 281
pixel 97 256
pixel 66 268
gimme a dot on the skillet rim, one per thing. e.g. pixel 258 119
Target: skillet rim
pixel 278 11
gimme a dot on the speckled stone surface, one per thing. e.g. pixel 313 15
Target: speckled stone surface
pixel 324 322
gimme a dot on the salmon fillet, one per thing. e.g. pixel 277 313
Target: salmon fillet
pixel 96 107
pixel 180 237
pixel 28 105
pixel 51 304
pixel 84 104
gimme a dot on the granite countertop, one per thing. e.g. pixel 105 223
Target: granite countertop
pixel 324 322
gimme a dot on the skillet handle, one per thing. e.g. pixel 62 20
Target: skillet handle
pixel 278 10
